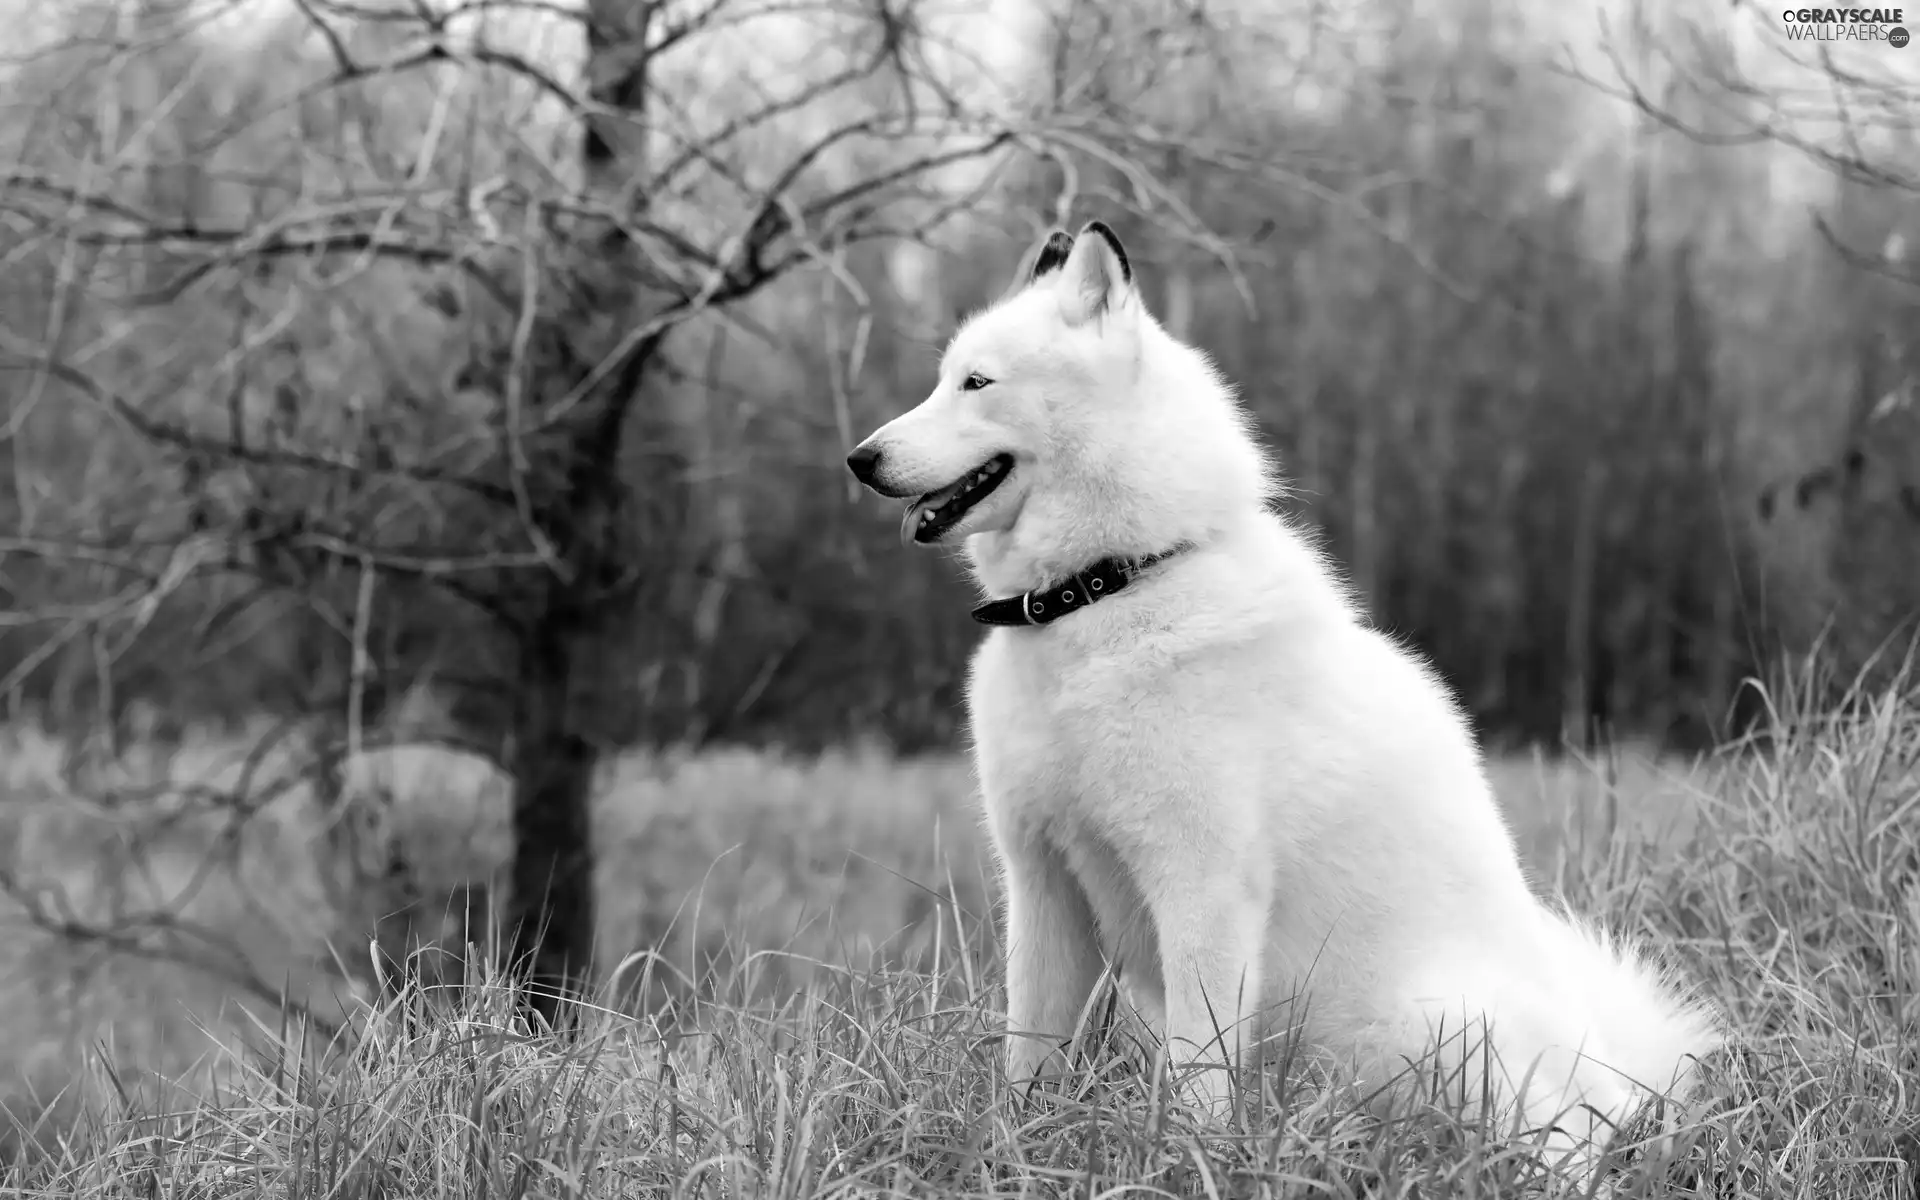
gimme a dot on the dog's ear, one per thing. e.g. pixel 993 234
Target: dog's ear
pixel 1043 258
pixel 1051 254
pixel 1097 276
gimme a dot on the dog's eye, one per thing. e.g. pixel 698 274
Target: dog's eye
pixel 974 382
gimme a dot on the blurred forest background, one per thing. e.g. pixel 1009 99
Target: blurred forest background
pixel 508 351
pixel 1532 359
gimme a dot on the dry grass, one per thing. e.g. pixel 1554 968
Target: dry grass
pixel 823 1008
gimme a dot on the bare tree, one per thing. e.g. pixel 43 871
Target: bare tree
pixel 544 494
pixel 558 220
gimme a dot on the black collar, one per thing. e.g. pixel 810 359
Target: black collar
pixel 1045 605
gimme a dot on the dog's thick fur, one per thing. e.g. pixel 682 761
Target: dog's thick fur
pixel 1221 781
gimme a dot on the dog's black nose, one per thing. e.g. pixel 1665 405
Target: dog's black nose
pixel 863 462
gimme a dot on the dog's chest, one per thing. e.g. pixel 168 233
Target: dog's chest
pixel 1046 718
pixel 1028 682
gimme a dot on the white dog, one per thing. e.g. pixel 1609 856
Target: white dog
pixel 1202 768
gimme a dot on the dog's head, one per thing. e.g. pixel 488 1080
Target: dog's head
pixel 1011 385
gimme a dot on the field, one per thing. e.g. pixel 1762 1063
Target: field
pixel 818 1019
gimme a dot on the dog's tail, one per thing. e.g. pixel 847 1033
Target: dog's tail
pixel 1644 1029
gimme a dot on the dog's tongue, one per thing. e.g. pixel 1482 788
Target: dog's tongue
pixel 909 524
pixel 910 521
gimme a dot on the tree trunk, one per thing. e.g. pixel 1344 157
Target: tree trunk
pixel 1576 708
pixel 550 918
pixel 571 645
pixel 571 652
pixel 1366 552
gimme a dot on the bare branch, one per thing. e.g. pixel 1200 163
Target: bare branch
pixel 1842 100
pixel 343 59
pixel 166 434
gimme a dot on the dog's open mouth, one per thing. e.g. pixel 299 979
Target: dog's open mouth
pixel 929 517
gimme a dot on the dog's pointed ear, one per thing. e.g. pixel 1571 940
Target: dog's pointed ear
pixel 1096 277
pixel 1043 258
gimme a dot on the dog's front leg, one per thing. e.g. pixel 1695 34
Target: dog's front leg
pixel 1211 935
pixel 1053 957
